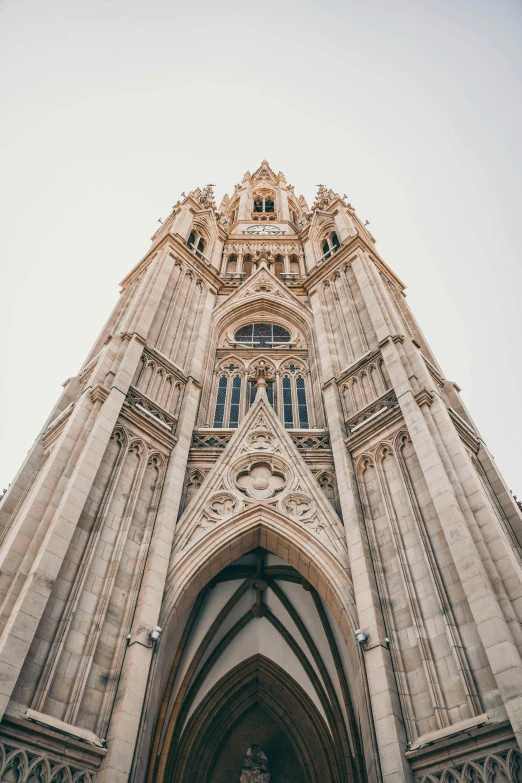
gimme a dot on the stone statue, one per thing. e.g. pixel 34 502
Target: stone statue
pixel 254 766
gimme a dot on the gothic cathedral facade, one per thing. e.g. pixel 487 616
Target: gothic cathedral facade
pixel 260 538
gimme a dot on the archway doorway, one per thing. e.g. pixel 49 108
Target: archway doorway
pixel 258 649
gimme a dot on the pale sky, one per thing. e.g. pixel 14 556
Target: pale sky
pixel 112 108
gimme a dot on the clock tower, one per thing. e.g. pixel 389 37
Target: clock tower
pixel 260 536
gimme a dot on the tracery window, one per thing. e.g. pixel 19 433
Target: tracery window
pixel 262 335
pixel 228 396
pixel 295 405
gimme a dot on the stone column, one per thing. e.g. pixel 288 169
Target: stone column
pixel 125 721
pixel 385 705
pixel 494 632
pixel 36 589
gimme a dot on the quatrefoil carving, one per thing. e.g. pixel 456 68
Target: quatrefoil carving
pixel 260 480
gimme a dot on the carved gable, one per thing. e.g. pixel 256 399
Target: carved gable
pixel 261 465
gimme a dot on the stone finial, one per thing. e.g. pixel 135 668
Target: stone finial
pixel 261 373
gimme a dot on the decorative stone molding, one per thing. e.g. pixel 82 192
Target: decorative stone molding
pixel 145 406
pixel 260 480
pixel 298 505
pixel 224 504
pixel 99 393
pixel 380 406
pixel 424 397
pixel 21 764
pixel 211 439
pixel 261 440
pixel 503 767
pixel 311 441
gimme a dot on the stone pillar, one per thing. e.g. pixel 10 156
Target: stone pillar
pixel 24 618
pixel 494 632
pixel 125 721
pixel 385 705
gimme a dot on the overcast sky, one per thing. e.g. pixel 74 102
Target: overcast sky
pixel 111 108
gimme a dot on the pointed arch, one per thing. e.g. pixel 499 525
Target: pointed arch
pixel 194 562
pixel 256 681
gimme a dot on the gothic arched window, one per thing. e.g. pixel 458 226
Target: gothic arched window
pixel 295 405
pixel 262 335
pixel 228 397
pixel 330 245
pixel 196 243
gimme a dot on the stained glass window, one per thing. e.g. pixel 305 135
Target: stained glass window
pixel 301 401
pixel 262 335
pixel 270 393
pixel 234 401
pixel 288 409
pixel 220 401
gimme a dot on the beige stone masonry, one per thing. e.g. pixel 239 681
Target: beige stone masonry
pixel 491 624
pixel 27 611
pixel 125 722
pixel 389 729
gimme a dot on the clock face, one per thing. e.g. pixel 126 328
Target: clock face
pixel 263 229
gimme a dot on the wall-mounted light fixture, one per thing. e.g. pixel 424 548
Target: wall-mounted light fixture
pixel 361 636
pixel 155 633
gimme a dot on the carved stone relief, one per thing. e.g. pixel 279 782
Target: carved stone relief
pixel 224 504
pixel 261 440
pixel 298 505
pixel 260 480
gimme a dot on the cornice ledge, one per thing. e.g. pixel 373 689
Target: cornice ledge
pixel 99 393
pixel 424 397
pixel 395 338
pixel 133 336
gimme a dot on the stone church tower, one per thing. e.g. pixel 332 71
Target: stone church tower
pixel 259 537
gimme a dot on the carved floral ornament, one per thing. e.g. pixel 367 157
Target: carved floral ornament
pixel 298 505
pixel 261 440
pixel 261 479
pixel 224 504
pixel 261 369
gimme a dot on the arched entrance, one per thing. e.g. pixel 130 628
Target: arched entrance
pixel 256 701
pixel 260 646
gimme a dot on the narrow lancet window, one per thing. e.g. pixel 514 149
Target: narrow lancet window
pixel 220 401
pixel 235 398
pixel 288 408
pixel 301 401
